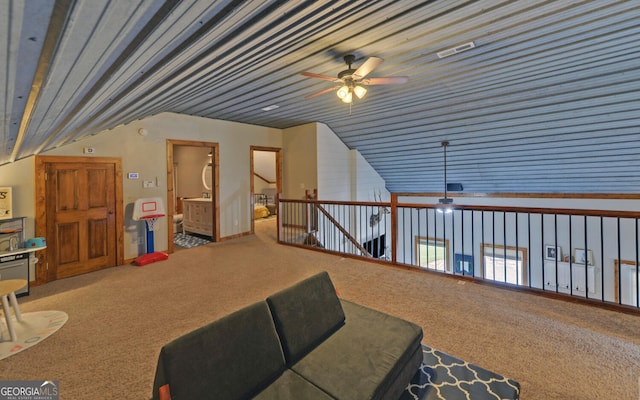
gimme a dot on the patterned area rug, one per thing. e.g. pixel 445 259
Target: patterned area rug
pixel 189 241
pixel 34 328
pixel 442 376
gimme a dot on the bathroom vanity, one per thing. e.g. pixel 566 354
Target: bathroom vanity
pixel 198 216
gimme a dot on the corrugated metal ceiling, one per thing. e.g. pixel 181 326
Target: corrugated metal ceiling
pixel 547 101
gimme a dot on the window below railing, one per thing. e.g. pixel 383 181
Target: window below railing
pixel 432 253
pixel 504 264
pixel 583 253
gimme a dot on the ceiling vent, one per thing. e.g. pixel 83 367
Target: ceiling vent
pixel 270 108
pixel 456 50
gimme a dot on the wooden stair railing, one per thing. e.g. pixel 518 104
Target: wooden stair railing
pixel 344 231
pixel 313 226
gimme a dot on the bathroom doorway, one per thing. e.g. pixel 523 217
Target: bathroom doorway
pixel 266 182
pixel 193 182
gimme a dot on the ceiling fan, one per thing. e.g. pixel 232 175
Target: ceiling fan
pixel 352 81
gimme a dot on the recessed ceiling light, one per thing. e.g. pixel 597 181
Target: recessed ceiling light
pixel 269 108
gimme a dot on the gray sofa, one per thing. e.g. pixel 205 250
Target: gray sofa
pixel 301 343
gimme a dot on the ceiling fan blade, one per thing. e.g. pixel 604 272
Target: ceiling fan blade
pixel 322 92
pixel 325 77
pixel 368 66
pixel 389 80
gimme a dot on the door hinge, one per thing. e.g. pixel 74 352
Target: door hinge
pixel 46 176
pixel 47 265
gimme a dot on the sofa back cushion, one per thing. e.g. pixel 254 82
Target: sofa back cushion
pixel 306 314
pixel 232 358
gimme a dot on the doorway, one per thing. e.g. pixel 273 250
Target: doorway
pixel 79 211
pixel 266 181
pixel 193 173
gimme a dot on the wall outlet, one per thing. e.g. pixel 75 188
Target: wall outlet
pixel 89 150
pixel 148 184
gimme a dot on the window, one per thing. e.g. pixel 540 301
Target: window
pixel 432 253
pixel 504 264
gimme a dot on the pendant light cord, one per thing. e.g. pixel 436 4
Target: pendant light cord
pixel 445 144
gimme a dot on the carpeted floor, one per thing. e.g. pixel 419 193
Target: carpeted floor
pixel 120 317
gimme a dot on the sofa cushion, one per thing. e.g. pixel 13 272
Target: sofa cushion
pixel 290 386
pixel 365 358
pixel 305 314
pixel 232 358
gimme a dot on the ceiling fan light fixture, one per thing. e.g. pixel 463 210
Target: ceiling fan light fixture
pixel 348 98
pixel 359 91
pixel 343 92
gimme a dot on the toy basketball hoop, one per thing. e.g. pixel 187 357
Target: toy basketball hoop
pixel 149 210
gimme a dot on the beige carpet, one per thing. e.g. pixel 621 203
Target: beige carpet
pixel 120 317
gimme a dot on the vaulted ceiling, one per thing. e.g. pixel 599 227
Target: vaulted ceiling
pixel 548 100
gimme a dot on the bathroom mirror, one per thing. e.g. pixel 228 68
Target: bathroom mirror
pixel 206 176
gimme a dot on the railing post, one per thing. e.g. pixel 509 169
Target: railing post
pixel 394 226
pixel 278 218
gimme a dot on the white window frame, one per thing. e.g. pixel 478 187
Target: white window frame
pixel 493 264
pixel 425 246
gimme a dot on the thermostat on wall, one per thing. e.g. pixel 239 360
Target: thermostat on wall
pixel 133 175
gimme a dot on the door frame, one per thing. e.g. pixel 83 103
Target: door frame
pixel 215 190
pixel 41 205
pixel 278 152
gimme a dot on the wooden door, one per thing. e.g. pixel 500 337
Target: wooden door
pixel 80 213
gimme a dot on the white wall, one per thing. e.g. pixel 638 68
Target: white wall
pixel 300 161
pixel 264 165
pixel 334 166
pixel 189 161
pixel 367 184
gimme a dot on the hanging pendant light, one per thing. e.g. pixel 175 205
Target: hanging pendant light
pixel 446 201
